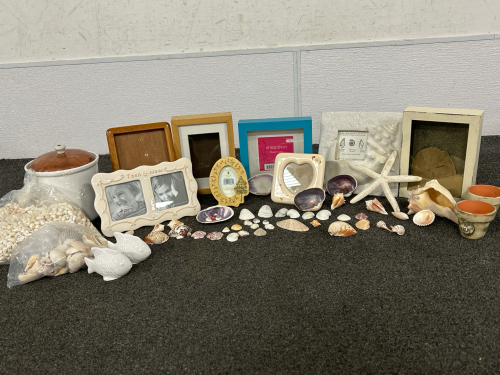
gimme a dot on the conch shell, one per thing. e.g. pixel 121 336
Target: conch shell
pixel 435 197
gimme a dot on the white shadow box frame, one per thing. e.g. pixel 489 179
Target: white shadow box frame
pixel 456 131
pixel 145 196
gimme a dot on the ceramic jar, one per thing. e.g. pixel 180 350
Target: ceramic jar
pixel 474 217
pixel 70 171
pixel 485 193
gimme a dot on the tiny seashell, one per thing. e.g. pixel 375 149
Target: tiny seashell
pixel 269 226
pixel 156 237
pixel 381 224
pixel 265 212
pixel 214 236
pixel 243 233
pixel 376 206
pixel 323 215
pixel 198 235
pixel 226 229
pixel 31 262
pixel 246 215
pixel 265 222
pixel 293 213
pixel 260 232
pixel 232 237
pixel 399 229
pixel 361 216
pixel 363 224
pixel 293 225
pixel 281 212
pixel 247 223
pixel 338 200
pixel 236 227
pixel 180 231
pixel 256 221
pixel 254 226
pixel 424 218
pixel 174 223
pixel 400 215
pixel 315 223
pixel 341 229
pixel 307 215
pixel 343 217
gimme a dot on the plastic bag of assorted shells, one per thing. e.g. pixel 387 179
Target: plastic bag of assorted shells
pixel 24 211
pixel 53 250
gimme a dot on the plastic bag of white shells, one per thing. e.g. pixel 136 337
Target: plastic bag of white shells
pixel 24 211
pixel 53 250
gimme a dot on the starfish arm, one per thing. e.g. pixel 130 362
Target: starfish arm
pixel 367 191
pixel 388 164
pixel 403 178
pixel 364 170
pixel 390 197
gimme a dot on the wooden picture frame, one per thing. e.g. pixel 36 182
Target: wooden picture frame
pixel 228 182
pixel 136 145
pixel 145 196
pixel 454 132
pixel 204 139
pixel 281 189
pixel 262 139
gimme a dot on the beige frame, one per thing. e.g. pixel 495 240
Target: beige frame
pixel 279 192
pixel 203 119
pixel 474 118
pixel 144 174
pixel 223 199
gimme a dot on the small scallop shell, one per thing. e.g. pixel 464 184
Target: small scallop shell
pixel 232 237
pixel 246 215
pixel 260 232
pixel 307 215
pixel 315 223
pixel 323 215
pixel 424 218
pixel 293 225
pixel 343 217
pixel 236 227
pixel 293 214
pixel 281 212
pixel 214 236
pixel 338 200
pixel 361 216
pixel 226 229
pixel 400 215
pixel 247 223
pixel 363 224
pixel 198 235
pixel 254 226
pixel 156 238
pixel 399 229
pixel 376 206
pixel 265 212
pixel 243 233
pixel 269 226
pixel 265 222
pixel 341 229
pixel 256 221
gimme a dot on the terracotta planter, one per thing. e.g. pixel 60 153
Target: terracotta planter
pixel 485 193
pixel 474 217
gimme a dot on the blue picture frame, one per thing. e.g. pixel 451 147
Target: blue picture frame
pixel 284 123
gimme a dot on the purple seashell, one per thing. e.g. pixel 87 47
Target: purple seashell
pixel 310 199
pixel 198 234
pixel 361 216
pixel 180 231
pixel 214 236
pixel 342 183
pixel 221 213
pixel 260 184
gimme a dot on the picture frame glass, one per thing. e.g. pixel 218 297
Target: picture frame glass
pixel 126 200
pixel 438 151
pixel 169 190
pixel 228 177
pixel 266 144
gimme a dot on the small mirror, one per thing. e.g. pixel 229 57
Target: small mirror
pixel 297 177
pixel 227 179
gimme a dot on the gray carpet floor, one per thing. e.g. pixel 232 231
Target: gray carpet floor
pixel 427 302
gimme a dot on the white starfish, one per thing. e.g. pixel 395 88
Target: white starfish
pixel 383 180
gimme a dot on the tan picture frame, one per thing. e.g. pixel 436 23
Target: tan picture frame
pixel 241 184
pixel 138 183
pixel 197 125
pixel 445 118
pixel 136 145
pixel 279 192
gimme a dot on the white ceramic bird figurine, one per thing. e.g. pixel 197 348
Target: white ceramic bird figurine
pixel 132 246
pixel 110 264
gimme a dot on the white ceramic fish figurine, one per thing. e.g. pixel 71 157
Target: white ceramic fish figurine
pixel 133 247
pixel 110 264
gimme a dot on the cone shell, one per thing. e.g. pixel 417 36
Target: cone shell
pixel 376 206
pixel 341 229
pixel 363 224
pixel 424 218
pixel 338 200
pixel 293 225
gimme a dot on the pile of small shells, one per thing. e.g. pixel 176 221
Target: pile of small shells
pixel 17 223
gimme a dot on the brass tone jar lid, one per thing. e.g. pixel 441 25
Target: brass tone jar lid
pixel 61 159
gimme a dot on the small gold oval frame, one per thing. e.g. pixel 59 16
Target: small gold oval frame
pixel 241 187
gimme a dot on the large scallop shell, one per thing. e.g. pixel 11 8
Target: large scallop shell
pixel 343 183
pixel 341 229
pixel 293 225
pixel 435 197
pixel 424 218
pixel 260 184
pixel 310 199
pixel 214 214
